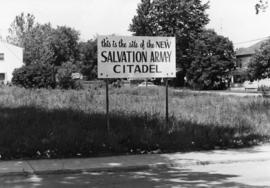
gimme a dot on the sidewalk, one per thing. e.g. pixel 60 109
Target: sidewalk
pixel 134 162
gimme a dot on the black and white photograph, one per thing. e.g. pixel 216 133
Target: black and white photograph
pixel 134 93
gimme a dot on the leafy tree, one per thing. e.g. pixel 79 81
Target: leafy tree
pixel 37 45
pixel 141 22
pixel 43 45
pixel 212 63
pixel 35 39
pixel 184 19
pixel 64 44
pixel 19 28
pixel 259 66
pixel 88 58
pixel 261 5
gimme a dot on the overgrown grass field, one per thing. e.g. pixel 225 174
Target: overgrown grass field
pixel 57 123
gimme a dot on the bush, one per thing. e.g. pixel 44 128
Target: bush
pixel 34 76
pixel 64 79
pixel 265 90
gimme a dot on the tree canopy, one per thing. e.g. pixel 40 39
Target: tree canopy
pixel 19 28
pixel 88 58
pixel 261 5
pixel 141 22
pixel 203 57
pixel 37 45
pixel 213 61
pixel 184 19
pixel 43 43
pixel 43 46
pixel 259 66
pixel 64 43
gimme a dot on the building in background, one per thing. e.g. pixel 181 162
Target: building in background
pixel 243 57
pixel 240 77
pixel 11 57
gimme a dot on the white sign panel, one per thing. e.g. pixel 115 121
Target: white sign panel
pixel 136 57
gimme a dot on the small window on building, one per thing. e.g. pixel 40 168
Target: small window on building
pixel 2 56
pixel 2 76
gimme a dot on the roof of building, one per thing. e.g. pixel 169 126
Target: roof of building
pixel 249 50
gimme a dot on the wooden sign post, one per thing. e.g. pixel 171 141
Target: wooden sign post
pixel 107 106
pixel 167 102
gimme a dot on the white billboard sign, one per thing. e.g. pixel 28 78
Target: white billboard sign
pixel 136 57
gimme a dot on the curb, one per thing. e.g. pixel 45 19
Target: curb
pixel 127 168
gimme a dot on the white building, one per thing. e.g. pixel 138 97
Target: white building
pixel 11 57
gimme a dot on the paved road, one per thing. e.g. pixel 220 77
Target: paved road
pixel 245 174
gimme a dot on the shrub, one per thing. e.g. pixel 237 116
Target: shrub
pixel 34 76
pixel 265 90
pixel 64 79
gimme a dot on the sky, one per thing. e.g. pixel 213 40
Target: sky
pixel 235 19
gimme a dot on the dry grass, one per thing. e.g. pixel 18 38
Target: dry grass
pixel 201 109
pixel 137 120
